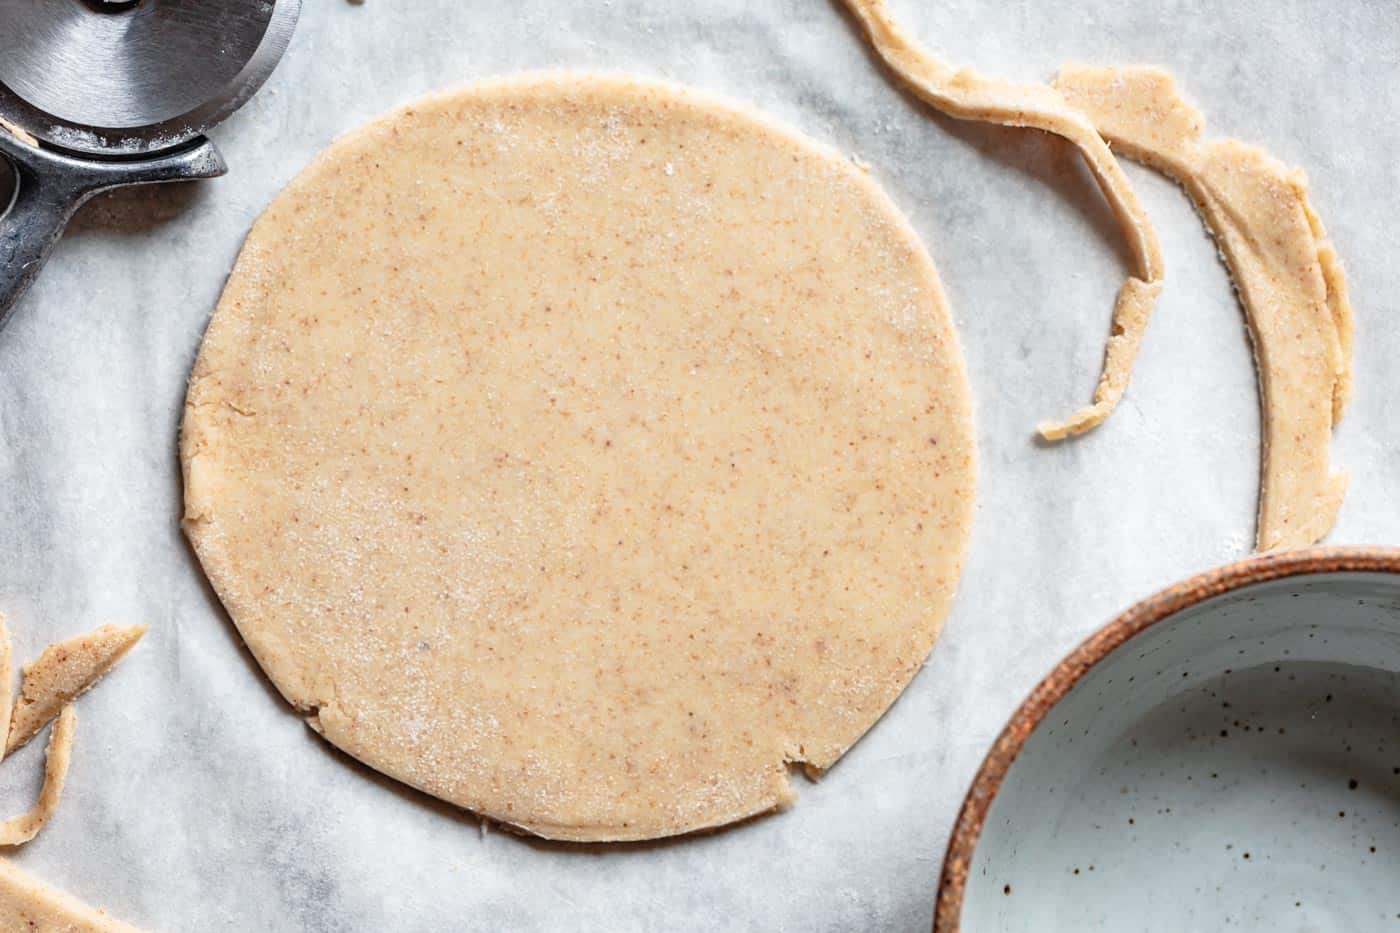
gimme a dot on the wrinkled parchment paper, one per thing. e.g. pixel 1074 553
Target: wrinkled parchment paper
pixel 197 801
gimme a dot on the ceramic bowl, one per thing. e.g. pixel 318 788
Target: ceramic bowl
pixel 1224 755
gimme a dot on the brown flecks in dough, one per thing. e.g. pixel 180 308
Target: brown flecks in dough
pixel 18 830
pixel 590 484
pixel 1286 273
pixel 966 95
pixel 62 673
pixel 27 905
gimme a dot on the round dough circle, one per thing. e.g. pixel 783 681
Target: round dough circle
pixel 583 452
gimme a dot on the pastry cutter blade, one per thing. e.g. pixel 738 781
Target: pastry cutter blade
pixel 101 94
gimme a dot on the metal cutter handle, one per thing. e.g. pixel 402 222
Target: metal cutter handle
pixel 52 186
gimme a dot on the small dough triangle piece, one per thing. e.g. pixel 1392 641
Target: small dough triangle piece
pixel 63 672
pixel 28 904
pixel 965 95
pixel 18 830
pixel 1285 271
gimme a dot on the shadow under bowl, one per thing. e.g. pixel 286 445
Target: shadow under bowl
pixel 1224 754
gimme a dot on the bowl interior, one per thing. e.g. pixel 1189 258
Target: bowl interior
pixel 1237 764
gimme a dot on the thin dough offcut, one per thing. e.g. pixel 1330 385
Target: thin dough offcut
pixel 965 95
pixel 1287 274
pixel 30 906
pixel 63 672
pixel 7 675
pixel 18 830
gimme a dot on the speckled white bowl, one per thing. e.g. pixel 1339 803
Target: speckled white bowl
pixel 1224 755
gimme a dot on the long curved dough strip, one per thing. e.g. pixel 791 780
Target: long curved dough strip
pixel 28 904
pixel 966 95
pixel 63 672
pixel 18 830
pixel 1288 278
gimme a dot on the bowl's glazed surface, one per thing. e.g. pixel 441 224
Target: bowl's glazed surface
pixel 1225 754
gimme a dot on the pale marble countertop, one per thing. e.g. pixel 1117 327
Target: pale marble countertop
pixel 197 801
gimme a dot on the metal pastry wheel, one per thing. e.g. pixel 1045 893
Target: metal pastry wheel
pixel 101 94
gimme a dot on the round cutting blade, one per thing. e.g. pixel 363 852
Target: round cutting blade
pixel 125 77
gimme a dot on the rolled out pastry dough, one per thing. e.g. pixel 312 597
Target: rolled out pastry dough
pixel 584 452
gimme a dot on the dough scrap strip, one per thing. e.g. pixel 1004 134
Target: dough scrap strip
pixel 25 902
pixel 28 904
pixel 1287 275
pixel 7 672
pixel 63 672
pixel 966 95
pixel 18 830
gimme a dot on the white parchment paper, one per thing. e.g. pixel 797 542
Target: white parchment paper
pixel 197 801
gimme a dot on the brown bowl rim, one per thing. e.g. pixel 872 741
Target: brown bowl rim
pixel 1141 616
